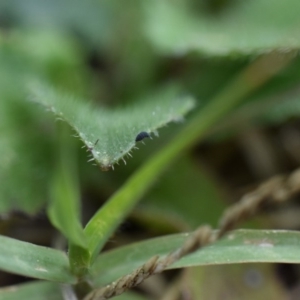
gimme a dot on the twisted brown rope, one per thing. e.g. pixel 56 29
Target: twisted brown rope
pixel 275 190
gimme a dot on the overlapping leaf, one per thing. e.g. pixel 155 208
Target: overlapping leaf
pixel 244 27
pixel 110 134
pixel 26 136
pixel 23 169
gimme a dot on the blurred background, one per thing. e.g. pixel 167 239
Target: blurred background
pixel 114 52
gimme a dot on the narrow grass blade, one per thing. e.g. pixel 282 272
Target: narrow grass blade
pixel 241 246
pixel 37 290
pixel 64 208
pixel 34 261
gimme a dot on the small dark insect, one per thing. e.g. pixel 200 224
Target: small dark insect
pixel 141 136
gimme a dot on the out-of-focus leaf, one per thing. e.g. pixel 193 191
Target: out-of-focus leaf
pixel 51 55
pixel 54 55
pixel 273 109
pixel 275 103
pixel 288 107
pixel 238 281
pixel 110 134
pixel 62 211
pixel 26 135
pixel 41 290
pixel 38 290
pixel 245 27
pixel 34 261
pixel 64 208
pixel 130 296
pixel 240 246
pixel 24 171
pixel 91 19
pixel 184 195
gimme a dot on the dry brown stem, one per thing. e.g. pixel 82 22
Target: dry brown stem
pixel 154 265
pixel 276 190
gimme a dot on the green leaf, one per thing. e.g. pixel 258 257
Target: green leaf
pixel 34 261
pixel 239 246
pixel 38 290
pixel 130 296
pixel 64 208
pixel 41 290
pixel 286 107
pixel 240 281
pixel 110 134
pixel 90 19
pixel 25 158
pixel 245 27
pixel 26 142
pixel 185 195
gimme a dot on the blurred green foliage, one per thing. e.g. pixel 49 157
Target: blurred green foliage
pixel 102 51
pixel 131 60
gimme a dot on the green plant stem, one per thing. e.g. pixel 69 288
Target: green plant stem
pixel 108 217
pixel 64 208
